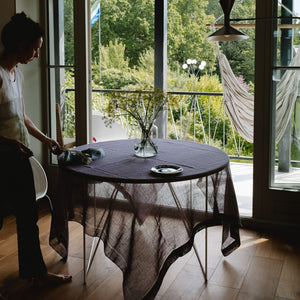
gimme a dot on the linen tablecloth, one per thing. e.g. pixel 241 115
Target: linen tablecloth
pixel 132 210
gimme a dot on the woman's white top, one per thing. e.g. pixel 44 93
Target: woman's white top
pixel 11 107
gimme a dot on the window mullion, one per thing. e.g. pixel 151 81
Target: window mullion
pixel 82 70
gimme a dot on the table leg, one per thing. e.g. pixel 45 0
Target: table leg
pixel 94 238
pixel 206 210
pixel 84 255
pixel 185 222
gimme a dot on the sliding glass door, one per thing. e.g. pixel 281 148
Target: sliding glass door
pixel 276 155
pixel 285 170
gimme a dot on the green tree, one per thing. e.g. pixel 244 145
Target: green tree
pixel 130 22
pixel 187 32
pixel 115 70
pixel 240 55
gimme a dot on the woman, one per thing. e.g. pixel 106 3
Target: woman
pixel 22 40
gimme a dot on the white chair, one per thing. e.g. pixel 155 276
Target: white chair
pixel 40 180
pixel 101 132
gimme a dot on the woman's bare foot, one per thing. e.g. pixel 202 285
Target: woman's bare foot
pixel 50 279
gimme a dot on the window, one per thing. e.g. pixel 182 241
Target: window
pixel 273 201
pixel 285 170
pixel 61 70
pixel 125 60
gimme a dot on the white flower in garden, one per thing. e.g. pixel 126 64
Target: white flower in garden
pixel 202 65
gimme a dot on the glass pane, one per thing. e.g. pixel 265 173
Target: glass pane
pixel 194 70
pixel 194 78
pixel 122 45
pixel 287 33
pixel 61 33
pixel 62 106
pixel 122 41
pixel 61 79
pixel 286 113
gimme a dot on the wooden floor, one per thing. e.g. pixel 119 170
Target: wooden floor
pixel 264 267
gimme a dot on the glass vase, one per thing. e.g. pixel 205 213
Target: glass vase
pixel 145 147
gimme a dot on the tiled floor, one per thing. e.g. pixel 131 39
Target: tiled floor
pixel 242 174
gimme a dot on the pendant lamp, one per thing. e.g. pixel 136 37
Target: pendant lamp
pixel 227 32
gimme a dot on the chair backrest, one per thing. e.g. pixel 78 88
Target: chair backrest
pixel 102 133
pixel 40 178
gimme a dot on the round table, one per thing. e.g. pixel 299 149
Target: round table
pixel 157 216
pixel 121 165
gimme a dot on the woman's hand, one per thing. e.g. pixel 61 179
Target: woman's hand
pixel 18 146
pixel 54 146
pixel 24 150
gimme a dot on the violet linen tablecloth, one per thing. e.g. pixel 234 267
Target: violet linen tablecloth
pixel 118 199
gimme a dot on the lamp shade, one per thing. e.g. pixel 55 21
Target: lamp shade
pixel 227 33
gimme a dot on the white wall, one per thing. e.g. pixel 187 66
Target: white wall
pixel 7 9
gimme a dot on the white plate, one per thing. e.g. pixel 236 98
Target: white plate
pixel 167 169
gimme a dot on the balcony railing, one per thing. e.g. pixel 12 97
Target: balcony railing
pixel 199 117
